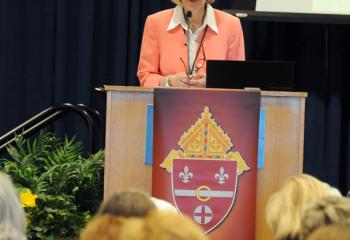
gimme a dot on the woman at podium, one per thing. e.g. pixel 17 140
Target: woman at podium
pixel 177 42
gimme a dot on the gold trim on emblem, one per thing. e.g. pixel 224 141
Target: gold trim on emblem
pixel 199 197
pixel 205 140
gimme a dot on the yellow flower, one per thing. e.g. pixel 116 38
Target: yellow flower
pixel 28 199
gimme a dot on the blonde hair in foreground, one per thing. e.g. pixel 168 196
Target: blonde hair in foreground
pixel 285 207
pixel 179 2
pixel 326 211
pixel 161 225
pixel 331 232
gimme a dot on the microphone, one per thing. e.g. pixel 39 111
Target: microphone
pixel 188 16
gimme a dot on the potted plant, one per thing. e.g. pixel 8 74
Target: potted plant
pixel 58 186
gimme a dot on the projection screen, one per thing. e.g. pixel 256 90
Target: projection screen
pixel 341 7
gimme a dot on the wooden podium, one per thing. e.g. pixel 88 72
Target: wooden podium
pixel 125 143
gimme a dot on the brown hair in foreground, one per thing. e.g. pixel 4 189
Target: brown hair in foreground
pixel 158 225
pixel 130 203
pixel 162 225
pixel 104 227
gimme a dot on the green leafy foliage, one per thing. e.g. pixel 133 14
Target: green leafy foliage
pixel 69 186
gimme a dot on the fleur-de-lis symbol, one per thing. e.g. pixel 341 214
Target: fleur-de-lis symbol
pixel 221 176
pixel 186 175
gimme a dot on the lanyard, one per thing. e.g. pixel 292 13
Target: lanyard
pixel 197 53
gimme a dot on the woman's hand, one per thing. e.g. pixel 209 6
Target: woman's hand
pixel 179 80
pixel 198 81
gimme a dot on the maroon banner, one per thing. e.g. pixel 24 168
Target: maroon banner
pixel 205 157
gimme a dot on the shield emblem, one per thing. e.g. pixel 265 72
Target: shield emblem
pixel 204 189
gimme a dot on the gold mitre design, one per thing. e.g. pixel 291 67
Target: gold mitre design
pixel 205 140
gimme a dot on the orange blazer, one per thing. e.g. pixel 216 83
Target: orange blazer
pixel 162 50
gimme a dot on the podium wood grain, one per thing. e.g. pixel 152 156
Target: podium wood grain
pixel 125 143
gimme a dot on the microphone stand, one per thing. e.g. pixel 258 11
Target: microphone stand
pixel 188 16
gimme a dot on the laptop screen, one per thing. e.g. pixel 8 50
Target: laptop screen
pixel 266 75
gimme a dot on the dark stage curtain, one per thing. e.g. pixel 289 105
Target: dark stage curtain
pixel 55 51
pixel 321 53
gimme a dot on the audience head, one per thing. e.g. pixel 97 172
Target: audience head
pixel 161 225
pixel 103 227
pixel 331 232
pixel 139 210
pixel 326 211
pixel 285 207
pixel 130 203
pixel 12 216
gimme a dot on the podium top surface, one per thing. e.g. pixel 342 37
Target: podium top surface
pixel 263 93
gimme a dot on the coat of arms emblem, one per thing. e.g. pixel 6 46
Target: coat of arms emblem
pixel 205 172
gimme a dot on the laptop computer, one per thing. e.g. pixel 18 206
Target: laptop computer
pixel 266 75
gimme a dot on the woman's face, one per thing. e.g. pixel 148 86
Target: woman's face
pixel 193 4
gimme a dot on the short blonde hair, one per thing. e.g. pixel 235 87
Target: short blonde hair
pixel 178 2
pixel 331 232
pixel 326 211
pixel 285 207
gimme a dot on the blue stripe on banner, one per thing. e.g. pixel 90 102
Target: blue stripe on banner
pixel 261 143
pixel 149 135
